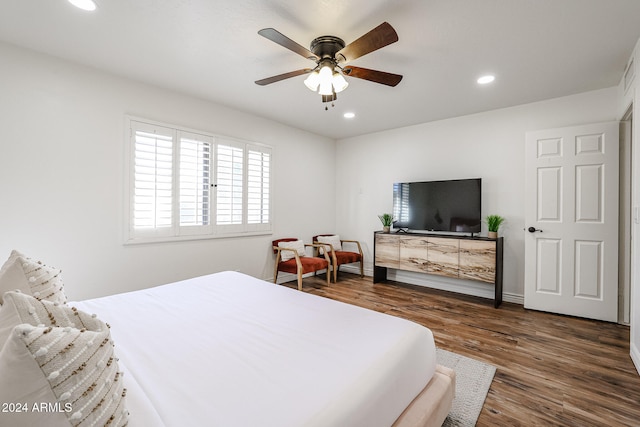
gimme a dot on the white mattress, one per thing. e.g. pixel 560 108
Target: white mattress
pixel 230 350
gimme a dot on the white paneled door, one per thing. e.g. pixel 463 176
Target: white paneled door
pixel 571 221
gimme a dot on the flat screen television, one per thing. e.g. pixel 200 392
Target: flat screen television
pixel 452 205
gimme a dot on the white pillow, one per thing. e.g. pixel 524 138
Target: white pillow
pixel 31 277
pixel 334 240
pixel 71 373
pixel 22 308
pixel 12 256
pixel 62 358
pixel 298 245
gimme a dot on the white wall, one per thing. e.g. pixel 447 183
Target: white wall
pixel 488 145
pixel 61 177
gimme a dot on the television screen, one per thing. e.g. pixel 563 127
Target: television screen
pixel 453 205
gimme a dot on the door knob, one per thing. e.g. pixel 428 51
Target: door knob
pixel 533 230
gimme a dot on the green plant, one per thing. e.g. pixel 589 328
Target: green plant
pixel 386 219
pixel 494 222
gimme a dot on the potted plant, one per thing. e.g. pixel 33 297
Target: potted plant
pixel 493 224
pixel 386 220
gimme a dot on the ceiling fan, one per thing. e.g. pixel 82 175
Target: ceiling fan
pixel 329 52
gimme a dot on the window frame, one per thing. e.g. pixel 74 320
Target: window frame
pixel 177 231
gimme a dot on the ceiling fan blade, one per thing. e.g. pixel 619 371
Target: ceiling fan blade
pixel 379 37
pixel 284 76
pixel 284 41
pixel 381 77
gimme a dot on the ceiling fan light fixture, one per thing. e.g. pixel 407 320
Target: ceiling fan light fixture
pixel 339 82
pixel 313 81
pixel 326 78
pixel 326 71
pixel 325 88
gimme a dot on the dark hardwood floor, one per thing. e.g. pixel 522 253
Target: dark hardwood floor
pixel 552 370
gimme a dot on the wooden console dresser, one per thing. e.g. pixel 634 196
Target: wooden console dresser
pixel 460 257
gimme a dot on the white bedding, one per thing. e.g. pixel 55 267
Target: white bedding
pixel 230 350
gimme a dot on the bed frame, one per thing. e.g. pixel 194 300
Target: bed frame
pixel 431 407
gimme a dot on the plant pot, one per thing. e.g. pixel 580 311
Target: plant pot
pixel 386 229
pixel 493 234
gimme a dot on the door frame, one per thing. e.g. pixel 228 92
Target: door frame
pixel 625 222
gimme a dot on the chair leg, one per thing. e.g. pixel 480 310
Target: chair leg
pixel 328 276
pixel 361 269
pixel 335 273
pixel 299 280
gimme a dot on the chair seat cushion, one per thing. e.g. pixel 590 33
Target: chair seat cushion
pixel 344 257
pixel 309 264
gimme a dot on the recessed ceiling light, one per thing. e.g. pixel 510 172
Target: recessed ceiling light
pixel 349 115
pixel 486 79
pixel 88 5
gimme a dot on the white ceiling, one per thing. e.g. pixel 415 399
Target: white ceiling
pixel 538 49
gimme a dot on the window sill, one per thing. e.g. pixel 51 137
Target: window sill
pixel 169 239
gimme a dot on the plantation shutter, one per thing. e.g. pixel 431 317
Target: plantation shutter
pixel 194 182
pixel 185 184
pixel 401 202
pixel 152 191
pixel 258 188
pixel 229 183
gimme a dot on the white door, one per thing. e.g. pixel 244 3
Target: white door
pixel 571 221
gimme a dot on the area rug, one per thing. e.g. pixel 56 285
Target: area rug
pixel 473 379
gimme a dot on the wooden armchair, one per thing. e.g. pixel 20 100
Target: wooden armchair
pixel 340 256
pixel 289 260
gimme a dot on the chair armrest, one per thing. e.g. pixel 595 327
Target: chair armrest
pixel 295 253
pixel 322 245
pixel 319 246
pixel 328 250
pixel 356 242
pixel 279 249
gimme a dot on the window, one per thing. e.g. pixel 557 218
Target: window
pixel 184 185
pixel 229 177
pixel 194 183
pixel 258 185
pixel 401 202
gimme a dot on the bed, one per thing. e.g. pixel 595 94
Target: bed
pixel 227 349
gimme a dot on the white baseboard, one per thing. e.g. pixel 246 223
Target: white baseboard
pixel 513 298
pixel 635 356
